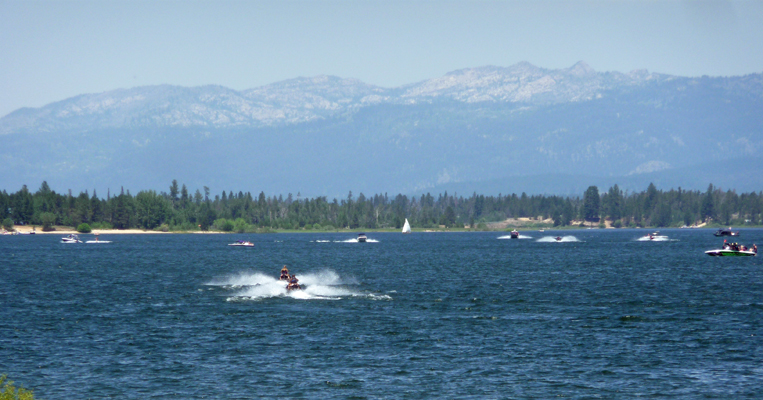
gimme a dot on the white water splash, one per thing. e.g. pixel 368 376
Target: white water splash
pixel 355 240
pixel 564 239
pixel 654 239
pixel 322 285
pixel 521 236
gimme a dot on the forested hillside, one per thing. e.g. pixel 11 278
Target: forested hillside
pixel 181 210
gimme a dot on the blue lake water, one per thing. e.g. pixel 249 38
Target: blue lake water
pixel 426 315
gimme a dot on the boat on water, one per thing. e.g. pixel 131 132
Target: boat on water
pixel 726 232
pixel 515 234
pixel 406 227
pixel 734 250
pixel 71 239
pixel 242 243
pixel 558 238
pixel 362 238
pixel 653 236
pixel 731 253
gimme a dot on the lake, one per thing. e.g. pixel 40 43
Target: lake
pixel 426 315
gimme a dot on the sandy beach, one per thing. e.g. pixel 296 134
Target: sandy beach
pixel 65 230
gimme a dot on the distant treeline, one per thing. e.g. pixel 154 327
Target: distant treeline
pixel 242 212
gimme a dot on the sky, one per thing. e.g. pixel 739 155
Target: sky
pixel 53 50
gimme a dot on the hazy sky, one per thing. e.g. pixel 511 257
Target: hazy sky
pixel 52 50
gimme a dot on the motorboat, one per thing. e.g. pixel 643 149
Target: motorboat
pixel 733 250
pixel 362 238
pixel 406 227
pixel 71 239
pixel 731 253
pixel 514 234
pixel 242 243
pixel 653 236
pixel 558 238
pixel 726 232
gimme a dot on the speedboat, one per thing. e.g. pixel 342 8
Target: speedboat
pixel 242 243
pixel 731 253
pixel 733 250
pixel 726 232
pixel 71 239
pixel 653 236
pixel 514 234
pixel 362 238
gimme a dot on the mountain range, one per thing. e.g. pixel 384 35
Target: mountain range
pixel 488 130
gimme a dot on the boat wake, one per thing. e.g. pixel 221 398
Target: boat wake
pixel 564 239
pixel 354 240
pixel 520 237
pixel 656 239
pixel 323 285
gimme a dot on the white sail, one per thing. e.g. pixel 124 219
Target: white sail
pixel 406 227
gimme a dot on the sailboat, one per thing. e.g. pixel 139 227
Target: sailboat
pixel 406 227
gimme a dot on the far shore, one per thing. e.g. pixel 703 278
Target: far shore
pixel 492 227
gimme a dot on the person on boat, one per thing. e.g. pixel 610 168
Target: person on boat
pixel 755 248
pixel 293 283
pixel 284 274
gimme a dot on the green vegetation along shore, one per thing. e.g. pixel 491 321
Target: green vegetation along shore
pixel 180 211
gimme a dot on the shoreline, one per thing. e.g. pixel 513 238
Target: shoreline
pixel 60 230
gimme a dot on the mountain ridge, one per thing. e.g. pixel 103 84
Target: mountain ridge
pixel 303 99
pixel 325 135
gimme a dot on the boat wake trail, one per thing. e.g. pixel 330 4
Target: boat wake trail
pixel 656 239
pixel 521 236
pixel 369 240
pixel 564 239
pixel 322 285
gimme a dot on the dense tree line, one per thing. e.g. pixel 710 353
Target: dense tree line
pixel 178 209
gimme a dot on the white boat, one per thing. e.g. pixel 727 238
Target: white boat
pixel 71 239
pixel 362 238
pixel 731 253
pixel 242 243
pixel 734 250
pixel 406 227
pixel 515 234
pixel 653 236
